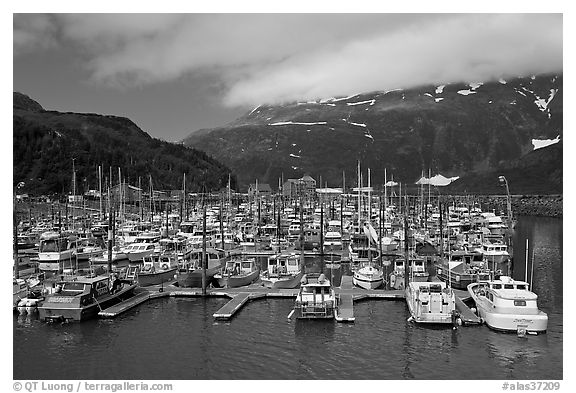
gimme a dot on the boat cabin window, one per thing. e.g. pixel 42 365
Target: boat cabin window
pixel 292 262
pixel 246 265
pixel 53 245
pixel 101 287
pixel 490 296
pixel 435 288
pixel 521 286
pixel 520 303
pixel 73 286
pixel 508 286
pixel 496 286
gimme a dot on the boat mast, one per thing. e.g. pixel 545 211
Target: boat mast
pixel 184 207
pixel 406 260
pixel 100 188
pixel 204 280
pixel 359 203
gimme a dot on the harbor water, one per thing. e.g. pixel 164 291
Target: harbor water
pixel 178 338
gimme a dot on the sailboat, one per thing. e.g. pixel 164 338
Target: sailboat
pixel 367 274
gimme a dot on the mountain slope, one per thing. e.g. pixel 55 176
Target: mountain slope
pixel 453 130
pixel 536 173
pixel 44 143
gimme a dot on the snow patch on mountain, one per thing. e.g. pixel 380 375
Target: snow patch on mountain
pixel 284 123
pixel 540 143
pixel 466 92
pixel 440 89
pixel 371 102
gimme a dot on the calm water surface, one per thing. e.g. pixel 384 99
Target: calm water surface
pixel 177 338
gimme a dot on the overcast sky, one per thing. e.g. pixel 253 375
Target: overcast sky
pixel 176 73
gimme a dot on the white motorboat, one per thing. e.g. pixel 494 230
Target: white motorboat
pixel 508 305
pixel 316 298
pixel 431 302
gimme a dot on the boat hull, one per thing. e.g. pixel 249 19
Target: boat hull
pixel 147 279
pixel 236 281
pixel 366 282
pixel 286 282
pixel 193 279
pixel 438 309
pixel 51 311
pixel 460 280
pixel 531 323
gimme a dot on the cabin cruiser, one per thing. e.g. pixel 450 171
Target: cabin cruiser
pixel 79 298
pixel 283 271
pixel 508 305
pixel 56 249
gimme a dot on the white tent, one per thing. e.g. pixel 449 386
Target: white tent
pixel 437 180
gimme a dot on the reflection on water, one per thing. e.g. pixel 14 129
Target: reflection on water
pixel 177 338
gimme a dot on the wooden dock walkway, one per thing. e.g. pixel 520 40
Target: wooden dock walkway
pixel 347 294
pixel 126 305
pixel 230 308
pixel 345 310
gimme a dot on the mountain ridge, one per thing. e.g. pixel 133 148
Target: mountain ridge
pixel 44 143
pixel 452 129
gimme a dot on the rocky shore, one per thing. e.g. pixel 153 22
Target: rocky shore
pixel 537 205
pixel 526 205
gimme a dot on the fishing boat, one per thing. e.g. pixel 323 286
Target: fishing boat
pixel 81 298
pixel 316 298
pixel 495 253
pixel 462 268
pixel 508 305
pixel 157 269
pixel 368 276
pixel 416 271
pixel 431 302
pixel 237 273
pixel 283 271
pixel 190 275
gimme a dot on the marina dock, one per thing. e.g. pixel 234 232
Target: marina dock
pixel 347 294
pixel 345 311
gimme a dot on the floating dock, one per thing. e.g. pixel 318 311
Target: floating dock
pixel 347 294
pixel 125 305
pixel 345 311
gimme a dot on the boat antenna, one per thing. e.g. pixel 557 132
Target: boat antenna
pixel 526 269
pixel 532 270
